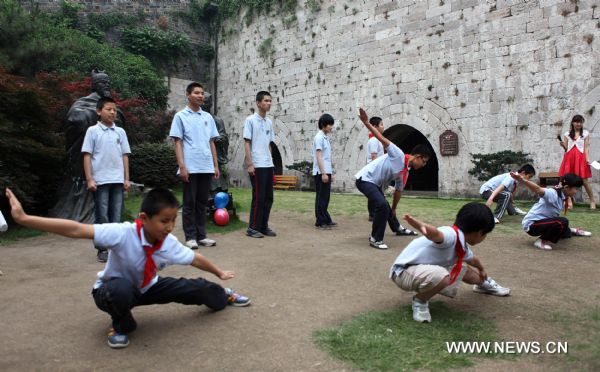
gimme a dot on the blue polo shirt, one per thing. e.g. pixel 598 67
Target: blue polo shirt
pixel 374 146
pixel 107 145
pixel 321 142
pixel 501 179
pixel 259 131
pixel 195 129
pixel 549 206
pixel 385 168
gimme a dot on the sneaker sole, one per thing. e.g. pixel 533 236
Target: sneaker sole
pixel 208 244
pixel 379 247
pixel 483 291
pixel 241 305
pixel 118 346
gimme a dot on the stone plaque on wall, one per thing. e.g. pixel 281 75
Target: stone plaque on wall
pixel 449 143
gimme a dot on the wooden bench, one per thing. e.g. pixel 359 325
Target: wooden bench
pixel 549 178
pixel 283 182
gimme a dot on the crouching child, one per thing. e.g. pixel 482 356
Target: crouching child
pixel 136 251
pixel 439 260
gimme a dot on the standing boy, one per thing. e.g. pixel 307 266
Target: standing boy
pixel 372 177
pixel 137 252
pixel 258 135
pixel 106 166
pixel 501 189
pixel 322 171
pixel 194 132
pixel 433 263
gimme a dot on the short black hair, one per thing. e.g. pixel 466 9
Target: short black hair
pixel 325 120
pixel 571 179
pixel 261 95
pixel 158 199
pixel 190 88
pixel 103 101
pixel 528 169
pixel 473 217
pixel 375 120
pixel 422 150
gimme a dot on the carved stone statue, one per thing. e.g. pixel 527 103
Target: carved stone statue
pixel 222 146
pixel 75 201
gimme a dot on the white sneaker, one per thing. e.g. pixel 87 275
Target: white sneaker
pixel 377 244
pixel 206 242
pixel 420 311
pixel 542 244
pixel 489 286
pixel 580 232
pixel 191 244
pixel 520 212
pixel 496 220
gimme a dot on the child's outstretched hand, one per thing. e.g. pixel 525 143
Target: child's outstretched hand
pixel 226 275
pixel 415 223
pixel 362 114
pixel 16 209
pixel 516 176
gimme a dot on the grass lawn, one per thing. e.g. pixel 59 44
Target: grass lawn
pixel 392 341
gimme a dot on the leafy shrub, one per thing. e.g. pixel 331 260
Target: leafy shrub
pixel 144 124
pixel 490 165
pixel 31 42
pixel 153 164
pixel 31 147
pixel 155 44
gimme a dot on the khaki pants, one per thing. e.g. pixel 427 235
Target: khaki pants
pixel 422 278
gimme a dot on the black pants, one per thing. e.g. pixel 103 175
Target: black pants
pixel 195 199
pixel 322 200
pixel 118 296
pixel 382 211
pixel 503 203
pixel 551 229
pixel 262 198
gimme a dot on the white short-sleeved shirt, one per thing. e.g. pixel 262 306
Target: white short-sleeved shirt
pixel 423 251
pixel 107 145
pixel 374 146
pixel 579 143
pixel 195 129
pixel 385 168
pixel 321 142
pixel 548 206
pixel 259 130
pixel 126 256
pixel 502 179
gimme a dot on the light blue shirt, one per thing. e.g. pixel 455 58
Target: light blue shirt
pixel 374 146
pixel 549 206
pixel 259 131
pixel 321 142
pixel 385 168
pixel 107 145
pixel 423 251
pixel 126 256
pixel 502 179
pixel 195 130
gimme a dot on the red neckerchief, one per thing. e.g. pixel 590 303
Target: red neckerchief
pixel 371 135
pixel 460 253
pixel 405 170
pixel 150 265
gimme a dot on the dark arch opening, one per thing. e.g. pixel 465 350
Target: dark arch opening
pixel 277 162
pixel 407 137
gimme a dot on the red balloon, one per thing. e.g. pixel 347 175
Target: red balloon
pixel 221 217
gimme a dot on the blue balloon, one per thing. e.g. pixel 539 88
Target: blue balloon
pixel 221 200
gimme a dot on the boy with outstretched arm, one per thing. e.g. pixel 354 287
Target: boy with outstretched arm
pixel 372 177
pixel 434 263
pixel 501 189
pixel 136 252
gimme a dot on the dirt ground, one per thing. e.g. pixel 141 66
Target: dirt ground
pixel 299 281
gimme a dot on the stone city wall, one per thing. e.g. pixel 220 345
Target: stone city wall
pixel 501 74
